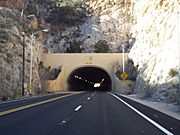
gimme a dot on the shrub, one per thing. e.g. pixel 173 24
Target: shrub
pixel 102 46
pixel 173 72
pixel 175 85
pixel 32 9
pixel 66 12
pixel 4 36
pixel 74 47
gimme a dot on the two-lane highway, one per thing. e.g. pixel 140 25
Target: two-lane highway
pixel 87 113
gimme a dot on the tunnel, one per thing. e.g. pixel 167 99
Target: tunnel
pixel 89 79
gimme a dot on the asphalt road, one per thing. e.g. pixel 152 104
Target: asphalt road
pixel 26 101
pixel 87 113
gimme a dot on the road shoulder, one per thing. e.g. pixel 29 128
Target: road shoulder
pixel 172 110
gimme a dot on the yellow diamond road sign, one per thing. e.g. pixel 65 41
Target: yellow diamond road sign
pixel 124 75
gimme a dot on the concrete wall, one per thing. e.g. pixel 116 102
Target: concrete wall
pixel 55 85
pixel 72 61
pixel 123 86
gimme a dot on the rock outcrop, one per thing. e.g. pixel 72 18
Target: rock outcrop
pixel 13 3
pixel 11 52
pixel 156 50
pixel 108 20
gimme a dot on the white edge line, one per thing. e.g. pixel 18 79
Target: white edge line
pixel 144 116
pixel 77 108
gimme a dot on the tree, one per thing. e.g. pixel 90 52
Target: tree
pixel 102 46
pixel 75 47
pixel 66 12
pixel 32 9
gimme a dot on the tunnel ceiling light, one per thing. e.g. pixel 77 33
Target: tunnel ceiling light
pixel 96 85
pixel 102 81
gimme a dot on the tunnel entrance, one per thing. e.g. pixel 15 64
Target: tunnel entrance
pixel 89 79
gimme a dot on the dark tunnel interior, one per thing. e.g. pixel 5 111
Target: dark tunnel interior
pixel 89 79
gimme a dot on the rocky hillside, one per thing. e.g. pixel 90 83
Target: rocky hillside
pixel 14 32
pixel 102 21
pixel 10 55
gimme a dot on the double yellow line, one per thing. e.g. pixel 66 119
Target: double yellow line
pixel 32 105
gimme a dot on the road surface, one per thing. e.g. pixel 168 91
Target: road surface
pixel 86 113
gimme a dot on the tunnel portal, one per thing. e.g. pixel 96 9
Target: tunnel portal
pixel 89 79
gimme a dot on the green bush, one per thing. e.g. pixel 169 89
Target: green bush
pixel 173 72
pixel 74 47
pixel 4 36
pixel 102 46
pixel 175 85
pixel 78 4
pixel 74 3
pixel 32 9
pixel 66 12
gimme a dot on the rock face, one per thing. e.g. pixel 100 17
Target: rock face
pixel 108 20
pixel 11 50
pixel 156 51
pixel 13 3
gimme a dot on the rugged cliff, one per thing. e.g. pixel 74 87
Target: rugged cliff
pixel 104 21
pixel 13 34
pixel 156 50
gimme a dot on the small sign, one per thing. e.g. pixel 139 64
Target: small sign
pixel 88 59
pixel 88 62
pixel 29 88
pixel 124 75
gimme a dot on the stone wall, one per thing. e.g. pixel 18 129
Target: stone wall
pixel 104 61
pixel 55 85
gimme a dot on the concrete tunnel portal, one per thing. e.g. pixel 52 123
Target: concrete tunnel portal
pixel 89 79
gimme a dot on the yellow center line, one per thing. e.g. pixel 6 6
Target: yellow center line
pixel 32 105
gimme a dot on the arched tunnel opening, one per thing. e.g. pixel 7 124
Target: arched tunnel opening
pixel 89 79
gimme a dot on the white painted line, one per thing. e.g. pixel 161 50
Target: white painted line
pixel 93 94
pixel 77 108
pixel 144 116
pixel 62 123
